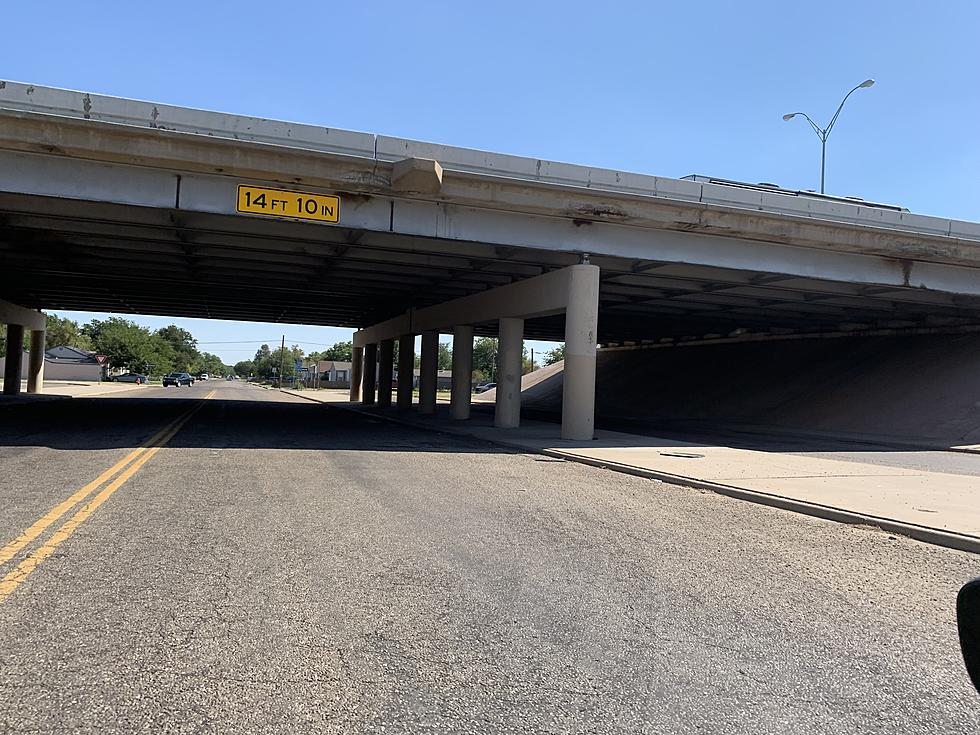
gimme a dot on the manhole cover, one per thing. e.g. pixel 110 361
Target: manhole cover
pixel 685 455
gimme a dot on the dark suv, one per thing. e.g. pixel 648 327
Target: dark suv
pixel 177 379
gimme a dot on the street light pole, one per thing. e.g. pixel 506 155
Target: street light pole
pixel 824 133
pixel 823 160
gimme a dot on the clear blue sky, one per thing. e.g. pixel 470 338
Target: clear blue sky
pixel 660 88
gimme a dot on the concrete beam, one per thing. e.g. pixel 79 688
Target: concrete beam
pixel 386 356
pixel 15 356
pixel 406 370
pixel 35 365
pixel 370 374
pixel 510 351
pixel 581 329
pixel 356 372
pixel 429 372
pixel 27 318
pixel 462 390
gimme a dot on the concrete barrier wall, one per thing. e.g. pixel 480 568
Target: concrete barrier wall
pixel 911 388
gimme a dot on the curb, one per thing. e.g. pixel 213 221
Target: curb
pixel 919 533
pixel 966 449
pixel 926 534
pixel 308 398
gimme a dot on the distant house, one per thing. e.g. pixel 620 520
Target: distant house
pixel 334 371
pixel 73 363
pixel 444 379
pixel 69 363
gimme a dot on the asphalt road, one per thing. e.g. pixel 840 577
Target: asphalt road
pixel 284 566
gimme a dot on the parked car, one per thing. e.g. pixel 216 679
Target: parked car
pixel 203 376
pixel 485 387
pixel 177 379
pixel 137 378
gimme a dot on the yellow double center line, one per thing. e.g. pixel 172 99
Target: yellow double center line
pixel 125 468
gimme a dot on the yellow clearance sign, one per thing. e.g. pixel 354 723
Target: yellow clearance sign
pixel 288 204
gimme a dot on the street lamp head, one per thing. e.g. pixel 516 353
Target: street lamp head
pixel 790 116
pixel 867 83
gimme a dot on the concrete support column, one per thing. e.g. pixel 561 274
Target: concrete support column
pixel 370 381
pixel 15 352
pixel 462 372
pixel 429 372
pixel 581 324
pixel 406 370
pixel 510 353
pixel 386 368
pixel 356 370
pixel 35 365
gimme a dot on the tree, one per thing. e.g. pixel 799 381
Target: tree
pixel 129 346
pixel 268 362
pixel 485 356
pixel 527 365
pixel 212 364
pixel 63 332
pixel 184 347
pixel 555 355
pixel 341 352
pixel 244 368
pixel 262 359
pixel 445 356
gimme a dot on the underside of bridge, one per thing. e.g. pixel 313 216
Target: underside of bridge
pixel 97 256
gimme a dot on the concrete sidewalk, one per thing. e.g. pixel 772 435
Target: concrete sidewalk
pixel 936 507
pixel 55 389
pixel 77 388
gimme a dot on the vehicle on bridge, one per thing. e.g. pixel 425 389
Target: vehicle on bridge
pixel 177 379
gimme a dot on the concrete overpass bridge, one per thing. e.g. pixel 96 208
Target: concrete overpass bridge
pixel 116 205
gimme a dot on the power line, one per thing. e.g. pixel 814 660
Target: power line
pixel 267 341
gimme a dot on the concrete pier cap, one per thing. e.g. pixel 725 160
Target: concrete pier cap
pixel 573 290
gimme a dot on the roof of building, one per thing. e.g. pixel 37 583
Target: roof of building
pixel 64 353
pixel 326 365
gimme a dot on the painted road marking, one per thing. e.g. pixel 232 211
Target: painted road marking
pixel 135 459
pixel 8 551
pixel 35 530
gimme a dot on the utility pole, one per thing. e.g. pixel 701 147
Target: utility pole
pixel 282 360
